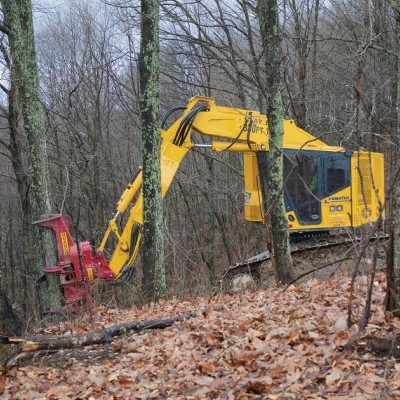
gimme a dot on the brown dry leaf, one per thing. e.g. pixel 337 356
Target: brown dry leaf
pixel 334 376
pixel 259 386
pixel 342 337
pixel 206 367
pixel 203 381
pixel 267 343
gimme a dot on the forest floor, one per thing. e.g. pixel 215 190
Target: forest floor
pixel 266 344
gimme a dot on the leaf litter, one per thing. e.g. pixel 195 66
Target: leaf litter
pixel 265 344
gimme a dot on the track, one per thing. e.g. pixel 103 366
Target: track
pixel 252 266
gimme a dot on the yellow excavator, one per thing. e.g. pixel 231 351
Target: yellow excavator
pixel 326 188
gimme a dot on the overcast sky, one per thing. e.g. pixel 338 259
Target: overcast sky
pixel 43 9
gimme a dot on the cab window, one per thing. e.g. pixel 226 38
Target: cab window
pixel 336 172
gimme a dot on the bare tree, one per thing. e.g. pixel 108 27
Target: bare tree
pixel 393 268
pixel 154 286
pixel 25 102
pixel 273 186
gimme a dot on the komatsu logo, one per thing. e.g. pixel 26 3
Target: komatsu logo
pixel 339 198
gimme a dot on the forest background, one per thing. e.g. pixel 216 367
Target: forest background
pixel 340 83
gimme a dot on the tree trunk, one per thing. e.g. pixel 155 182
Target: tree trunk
pixel 10 324
pixel 271 40
pixel 211 229
pixel 301 46
pixel 154 285
pixel 26 92
pixel 393 267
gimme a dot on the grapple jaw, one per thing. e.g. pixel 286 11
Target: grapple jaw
pixel 78 265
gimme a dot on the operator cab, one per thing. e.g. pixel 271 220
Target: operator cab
pixel 311 176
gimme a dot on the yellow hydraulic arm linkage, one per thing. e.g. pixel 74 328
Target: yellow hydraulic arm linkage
pixel 334 200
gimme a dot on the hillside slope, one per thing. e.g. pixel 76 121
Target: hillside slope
pixel 266 344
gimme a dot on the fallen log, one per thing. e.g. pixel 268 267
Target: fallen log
pixel 51 343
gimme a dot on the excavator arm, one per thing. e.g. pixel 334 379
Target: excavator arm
pixel 129 238
pixel 236 130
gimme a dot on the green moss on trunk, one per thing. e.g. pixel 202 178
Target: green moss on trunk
pixel 393 268
pixel 269 24
pixel 154 285
pixel 26 92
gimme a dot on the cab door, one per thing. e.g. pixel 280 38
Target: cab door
pixel 303 185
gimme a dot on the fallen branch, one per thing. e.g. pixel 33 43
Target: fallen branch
pixel 29 344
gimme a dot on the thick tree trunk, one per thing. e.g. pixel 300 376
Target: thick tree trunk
pixel 393 267
pixel 25 101
pixel 271 39
pixel 154 286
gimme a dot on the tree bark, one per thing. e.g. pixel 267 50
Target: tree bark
pixel 25 101
pixel 271 40
pixel 301 46
pixel 154 285
pixel 393 267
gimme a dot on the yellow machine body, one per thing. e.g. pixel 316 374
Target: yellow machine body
pixel 356 200
pixel 326 187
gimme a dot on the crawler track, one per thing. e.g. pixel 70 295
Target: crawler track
pixel 252 266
